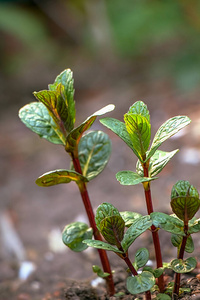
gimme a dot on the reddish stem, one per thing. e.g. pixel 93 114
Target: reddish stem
pixel 133 270
pixel 177 278
pixel 88 207
pixel 154 231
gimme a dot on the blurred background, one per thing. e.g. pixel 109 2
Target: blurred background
pixel 120 52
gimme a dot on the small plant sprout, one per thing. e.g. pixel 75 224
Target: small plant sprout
pixel 53 119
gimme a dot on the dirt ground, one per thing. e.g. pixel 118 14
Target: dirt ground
pixel 33 217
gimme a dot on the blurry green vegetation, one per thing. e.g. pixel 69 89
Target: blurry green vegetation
pixel 161 37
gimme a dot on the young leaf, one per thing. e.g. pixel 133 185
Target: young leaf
pixel 74 234
pixel 36 117
pixel 139 226
pixel 96 269
pixel 129 217
pixel 131 178
pixel 139 130
pixel 75 135
pixel 139 108
pixel 119 128
pixel 183 266
pixel 157 162
pixel 56 106
pixel 141 257
pixel 101 245
pixel 112 229
pixel 140 283
pixel 59 176
pixel 168 223
pixel 65 78
pixel 177 240
pixel 185 200
pixel 94 151
pixel 105 210
pixel 166 130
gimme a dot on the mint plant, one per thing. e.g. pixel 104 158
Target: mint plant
pixel 53 119
pixel 112 225
pixel 136 133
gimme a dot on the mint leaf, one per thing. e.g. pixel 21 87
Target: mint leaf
pixel 168 223
pixel 185 200
pixel 183 266
pixel 139 130
pixel 139 108
pixel 112 229
pixel 131 178
pixel 59 176
pixel 101 245
pixel 94 152
pixel 75 135
pixel 105 210
pixel 36 117
pixel 74 234
pixel 166 130
pixel 65 78
pixel 140 283
pixel 139 226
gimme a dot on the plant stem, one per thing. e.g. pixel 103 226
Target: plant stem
pixel 88 207
pixel 177 278
pixel 134 272
pixel 154 231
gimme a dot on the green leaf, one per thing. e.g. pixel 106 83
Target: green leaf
pixel 54 102
pixel 139 130
pixel 74 234
pixel 129 217
pixel 36 117
pixel 66 79
pixel 101 245
pixel 105 210
pixel 161 296
pixel 75 135
pixel 183 266
pixel 96 269
pixel 168 223
pixel 139 226
pixel 131 178
pixel 194 226
pixel 157 162
pixel 140 283
pixel 177 240
pixel 156 273
pixel 185 200
pixel 119 128
pixel 112 229
pixel 139 108
pixel 141 257
pixel 59 176
pixel 166 130
pixel 94 152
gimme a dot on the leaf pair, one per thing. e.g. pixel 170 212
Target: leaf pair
pixel 111 225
